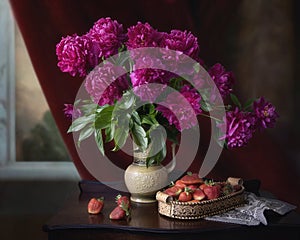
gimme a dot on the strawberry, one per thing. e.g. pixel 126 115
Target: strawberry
pixel 95 205
pixel 118 213
pixel 212 191
pixel 191 178
pixel 180 184
pixel 192 187
pixel 202 186
pixel 173 191
pixel 185 196
pixel 123 200
pixel 121 211
pixel 198 194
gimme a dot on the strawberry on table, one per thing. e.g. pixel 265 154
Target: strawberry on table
pixel 117 214
pixel 120 212
pixel 123 200
pixel 95 205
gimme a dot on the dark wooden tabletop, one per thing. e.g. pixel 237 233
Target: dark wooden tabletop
pixel 74 222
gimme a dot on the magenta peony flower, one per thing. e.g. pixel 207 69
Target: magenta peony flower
pixel 240 128
pixel 179 110
pixel 147 61
pixel 72 53
pixel 223 80
pixel 104 86
pixel 264 113
pixel 181 41
pixel 71 112
pixel 108 36
pixel 142 83
pixel 142 35
pixel 193 97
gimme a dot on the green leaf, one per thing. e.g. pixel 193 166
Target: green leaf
pixel 127 101
pixel 88 107
pixel 158 149
pixel 103 119
pixel 135 116
pixel 147 120
pixel 120 137
pixel 248 104
pixel 139 136
pixel 85 133
pixel 235 100
pixel 81 122
pixel 172 135
pixel 109 133
pixel 176 83
pixel 151 109
pixel 76 102
pixel 205 106
pixel 99 140
pixel 157 158
pixel 196 67
pixel 100 108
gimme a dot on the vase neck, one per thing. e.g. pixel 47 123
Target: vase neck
pixel 140 156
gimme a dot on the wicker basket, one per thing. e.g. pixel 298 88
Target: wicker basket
pixel 197 210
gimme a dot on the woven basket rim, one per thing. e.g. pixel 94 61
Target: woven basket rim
pixel 176 202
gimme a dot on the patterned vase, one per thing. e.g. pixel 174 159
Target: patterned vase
pixel 143 182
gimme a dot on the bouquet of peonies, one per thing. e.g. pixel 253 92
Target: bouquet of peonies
pixel 134 95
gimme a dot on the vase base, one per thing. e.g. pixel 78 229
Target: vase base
pixel 142 199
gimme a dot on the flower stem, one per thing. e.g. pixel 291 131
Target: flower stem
pixel 205 115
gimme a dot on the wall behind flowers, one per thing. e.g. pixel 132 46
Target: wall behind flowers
pixel 256 39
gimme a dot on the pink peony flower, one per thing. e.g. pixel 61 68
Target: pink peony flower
pixel 71 112
pixel 240 128
pixel 142 35
pixel 143 83
pixel 193 97
pixel 181 109
pixel 108 37
pixel 264 113
pixel 223 80
pixel 181 41
pixel 104 85
pixel 72 54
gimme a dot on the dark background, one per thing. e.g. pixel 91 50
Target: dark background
pixel 254 38
pixel 257 40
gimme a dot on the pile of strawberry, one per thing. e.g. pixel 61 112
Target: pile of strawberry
pixel 121 211
pixel 192 188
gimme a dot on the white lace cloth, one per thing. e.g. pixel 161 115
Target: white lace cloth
pixel 252 213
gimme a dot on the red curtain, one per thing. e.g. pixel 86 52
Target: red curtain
pixel 44 22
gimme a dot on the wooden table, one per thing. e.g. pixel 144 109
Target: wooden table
pixel 73 222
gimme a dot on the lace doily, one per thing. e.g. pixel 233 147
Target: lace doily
pixel 253 212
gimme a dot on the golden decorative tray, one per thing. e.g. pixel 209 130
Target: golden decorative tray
pixel 196 210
